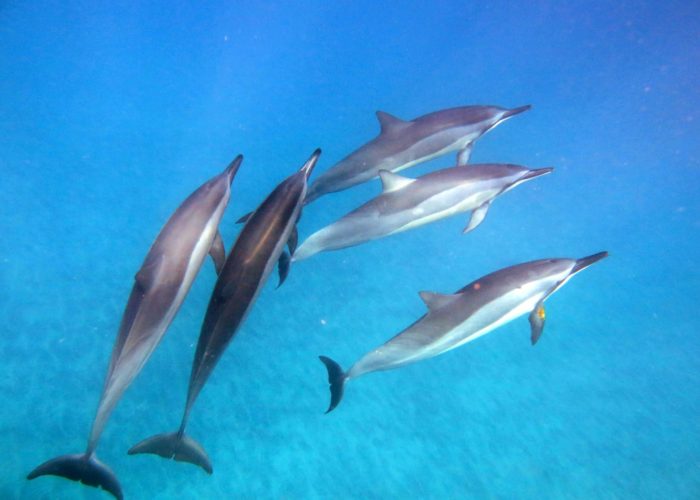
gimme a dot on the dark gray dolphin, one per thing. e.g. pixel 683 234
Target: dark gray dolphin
pixel 402 144
pixel 407 203
pixel 160 288
pixel 475 310
pixel 258 248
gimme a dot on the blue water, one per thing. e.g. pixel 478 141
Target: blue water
pixel 112 113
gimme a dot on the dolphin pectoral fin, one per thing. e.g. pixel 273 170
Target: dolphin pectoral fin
pixel 464 154
pixel 293 241
pixel 218 252
pixel 82 468
pixel 436 300
pixel 283 267
pixel 477 217
pixel 179 447
pixel 244 218
pixel 148 273
pixel 336 379
pixel 537 317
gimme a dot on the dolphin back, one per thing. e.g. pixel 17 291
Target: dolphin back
pixel 82 468
pixel 177 446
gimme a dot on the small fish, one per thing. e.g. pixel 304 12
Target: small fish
pixel 402 144
pixel 475 310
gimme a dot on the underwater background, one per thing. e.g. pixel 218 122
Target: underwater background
pixel 111 113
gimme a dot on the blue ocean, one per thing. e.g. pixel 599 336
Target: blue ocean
pixel 112 113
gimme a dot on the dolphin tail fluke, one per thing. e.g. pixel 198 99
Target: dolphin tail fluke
pixel 177 446
pixel 83 468
pixel 336 379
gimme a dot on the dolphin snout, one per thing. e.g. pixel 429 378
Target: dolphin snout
pixel 531 174
pixel 588 261
pixel 516 111
pixel 233 168
pixel 311 163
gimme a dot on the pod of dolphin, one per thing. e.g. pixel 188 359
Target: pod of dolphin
pixel 177 254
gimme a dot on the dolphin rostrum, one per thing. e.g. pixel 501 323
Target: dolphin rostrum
pixel 258 248
pixel 407 203
pixel 475 310
pixel 160 288
pixel 402 144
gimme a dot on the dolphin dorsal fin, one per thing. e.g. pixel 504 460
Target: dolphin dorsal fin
pixel 393 182
pixel 389 122
pixel 437 300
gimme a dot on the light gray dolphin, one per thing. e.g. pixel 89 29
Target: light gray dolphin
pixel 402 144
pixel 475 310
pixel 407 203
pixel 258 248
pixel 160 288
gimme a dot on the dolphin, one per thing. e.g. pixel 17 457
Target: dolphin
pixel 407 203
pixel 473 311
pixel 402 144
pixel 258 248
pixel 160 287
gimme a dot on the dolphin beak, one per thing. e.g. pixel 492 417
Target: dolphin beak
pixel 583 263
pixel 233 168
pixel 515 111
pixel 310 163
pixel 531 174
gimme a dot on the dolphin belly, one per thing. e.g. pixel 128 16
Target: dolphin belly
pixel 457 200
pixel 445 141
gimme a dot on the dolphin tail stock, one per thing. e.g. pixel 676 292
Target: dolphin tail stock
pixel 84 468
pixel 175 445
pixel 336 378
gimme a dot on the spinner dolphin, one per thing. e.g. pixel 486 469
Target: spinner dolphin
pixel 257 250
pixel 475 310
pixel 160 287
pixel 402 144
pixel 408 203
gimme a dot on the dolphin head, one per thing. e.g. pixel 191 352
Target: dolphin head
pixel 523 174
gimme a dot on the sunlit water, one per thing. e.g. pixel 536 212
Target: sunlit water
pixel 110 116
